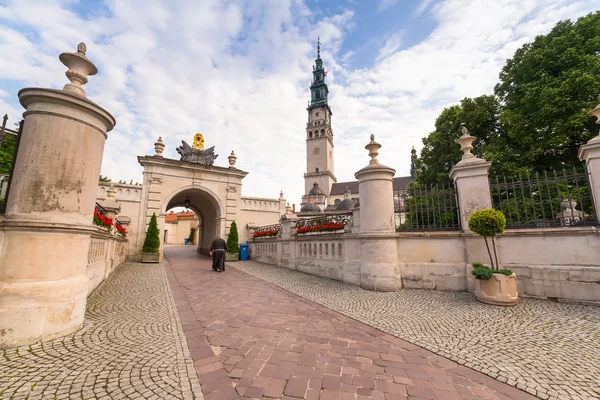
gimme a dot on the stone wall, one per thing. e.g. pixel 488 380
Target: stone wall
pixel 105 254
pixel 560 264
pixel 130 198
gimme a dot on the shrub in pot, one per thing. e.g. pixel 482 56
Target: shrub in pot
pixel 492 285
pixel 233 245
pixel 151 242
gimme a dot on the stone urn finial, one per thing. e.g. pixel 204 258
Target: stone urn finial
pixel 159 147
pixel 373 146
pixel 288 208
pixel 79 69
pixel 466 142
pixel 110 193
pixel 281 195
pixel 596 113
pixel 232 159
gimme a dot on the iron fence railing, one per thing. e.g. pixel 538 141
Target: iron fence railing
pixel 267 231
pixel 425 208
pixel 9 147
pixel 326 223
pixel 100 209
pixel 559 198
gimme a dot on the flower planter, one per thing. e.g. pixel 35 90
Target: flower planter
pixel 500 290
pixel 150 257
pixel 232 256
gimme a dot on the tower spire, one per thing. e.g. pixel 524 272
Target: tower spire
pixel 318 47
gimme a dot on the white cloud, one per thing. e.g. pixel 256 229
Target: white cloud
pixel 391 45
pixel 385 4
pixel 239 71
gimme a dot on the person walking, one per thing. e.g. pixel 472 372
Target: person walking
pixel 218 247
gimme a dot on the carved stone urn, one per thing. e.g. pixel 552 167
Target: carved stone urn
pixel 499 290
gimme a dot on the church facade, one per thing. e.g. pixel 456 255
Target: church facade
pixel 323 193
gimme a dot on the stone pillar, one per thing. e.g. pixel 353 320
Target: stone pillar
pixel 470 176
pixel 379 269
pixel 590 153
pixel 111 205
pixel 49 215
pixel 282 204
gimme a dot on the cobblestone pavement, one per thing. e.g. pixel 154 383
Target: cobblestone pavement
pixel 131 347
pixel 252 339
pixel 549 349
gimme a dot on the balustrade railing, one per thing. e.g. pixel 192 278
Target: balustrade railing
pixel 426 208
pixel 561 198
pixel 329 223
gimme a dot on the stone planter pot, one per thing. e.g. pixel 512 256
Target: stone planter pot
pixel 500 290
pixel 150 257
pixel 232 256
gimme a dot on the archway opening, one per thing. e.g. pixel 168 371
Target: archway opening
pixel 181 226
pixel 207 210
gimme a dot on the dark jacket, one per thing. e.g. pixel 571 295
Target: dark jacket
pixel 218 244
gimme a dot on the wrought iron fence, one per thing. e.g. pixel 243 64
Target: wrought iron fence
pixel 9 147
pixel 100 209
pixel 326 223
pixel 426 208
pixel 267 231
pixel 561 198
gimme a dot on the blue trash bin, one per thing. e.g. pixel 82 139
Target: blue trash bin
pixel 244 252
pixel 185 241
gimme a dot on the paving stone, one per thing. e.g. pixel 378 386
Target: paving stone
pixel 295 348
pixel 131 333
pixel 531 345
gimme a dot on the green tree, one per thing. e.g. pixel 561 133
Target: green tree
pixel 192 234
pixel 233 245
pixel 440 151
pixel 152 241
pixel 547 89
pixel 104 179
pixel 7 151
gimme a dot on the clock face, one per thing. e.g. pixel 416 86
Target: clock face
pixel 316 150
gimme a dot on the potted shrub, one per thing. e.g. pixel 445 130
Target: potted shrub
pixel 151 242
pixel 492 285
pixel 233 245
pixel 192 235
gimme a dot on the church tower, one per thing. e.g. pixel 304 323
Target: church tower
pixel 319 136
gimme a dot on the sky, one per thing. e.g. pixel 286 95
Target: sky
pixel 239 72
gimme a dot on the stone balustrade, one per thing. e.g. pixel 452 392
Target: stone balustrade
pixel 105 254
pixel 558 263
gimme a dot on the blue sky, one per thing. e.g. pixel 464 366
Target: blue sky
pixel 238 71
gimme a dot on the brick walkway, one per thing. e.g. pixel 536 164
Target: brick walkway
pixel 550 349
pixel 131 347
pixel 252 339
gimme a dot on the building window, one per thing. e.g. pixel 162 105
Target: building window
pixel 310 134
pixel 316 169
pixel 322 132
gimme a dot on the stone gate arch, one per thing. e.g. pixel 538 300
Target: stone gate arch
pixel 206 205
pixel 214 194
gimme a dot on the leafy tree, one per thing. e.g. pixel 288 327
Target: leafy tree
pixel 7 151
pixel 537 119
pixel 547 89
pixel 233 245
pixel 192 234
pixel 105 179
pixel 152 241
pixel 440 152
